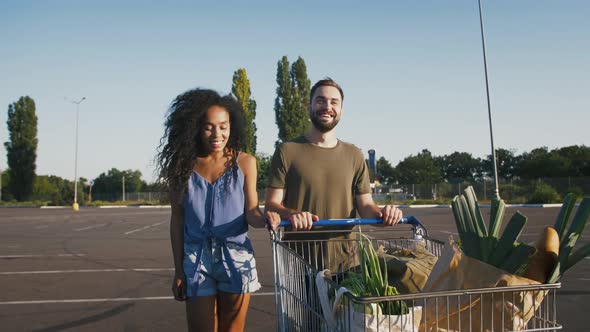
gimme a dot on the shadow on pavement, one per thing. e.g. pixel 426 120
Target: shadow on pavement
pixel 88 320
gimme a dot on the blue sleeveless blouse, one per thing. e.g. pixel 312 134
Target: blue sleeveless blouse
pixel 214 212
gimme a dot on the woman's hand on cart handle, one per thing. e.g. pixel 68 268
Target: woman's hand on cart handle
pixel 273 220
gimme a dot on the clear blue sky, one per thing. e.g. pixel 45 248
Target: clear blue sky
pixel 412 71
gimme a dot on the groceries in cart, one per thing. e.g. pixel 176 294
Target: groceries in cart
pixel 484 258
pixel 376 277
pixel 545 262
pixel 406 281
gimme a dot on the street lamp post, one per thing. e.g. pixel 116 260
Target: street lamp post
pixel 90 191
pixel 485 66
pixel 75 206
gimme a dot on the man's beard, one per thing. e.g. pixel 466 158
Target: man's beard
pixel 322 126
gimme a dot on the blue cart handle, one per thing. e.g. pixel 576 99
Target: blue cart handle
pixel 346 222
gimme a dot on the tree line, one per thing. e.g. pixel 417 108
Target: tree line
pixel 20 182
pixel 106 186
pixel 570 161
pixel 538 176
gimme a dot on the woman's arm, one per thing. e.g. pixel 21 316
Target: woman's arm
pixel 254 216
pixel 300 220
pixel 177 241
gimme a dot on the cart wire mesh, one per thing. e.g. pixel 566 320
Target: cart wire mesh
pixel 297 264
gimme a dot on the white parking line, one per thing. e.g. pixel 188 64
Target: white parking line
pixel 26 222
pixel 89 227
pixel 86 271
pixel 36 256
pixel 144 228
pixel 116 299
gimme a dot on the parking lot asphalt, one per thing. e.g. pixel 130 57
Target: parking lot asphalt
pixel 110 270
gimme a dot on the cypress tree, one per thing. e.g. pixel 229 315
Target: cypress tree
pixel 292 98
pixel 241 90
pixel 21 149
pixel 301 87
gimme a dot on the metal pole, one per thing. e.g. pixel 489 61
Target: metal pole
pixel 485 64
pixel 76 157
pixel 123 188
pixel 75 206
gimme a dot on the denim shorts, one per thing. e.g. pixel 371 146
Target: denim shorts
pixel 214 273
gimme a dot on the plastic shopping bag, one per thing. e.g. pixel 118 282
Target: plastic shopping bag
pixel 348 318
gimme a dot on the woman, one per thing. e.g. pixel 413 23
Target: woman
pixel 214 199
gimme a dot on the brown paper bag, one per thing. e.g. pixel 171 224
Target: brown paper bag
pixel 408 270
pixel 499 311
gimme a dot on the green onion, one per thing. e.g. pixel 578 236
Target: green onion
pixel 372 281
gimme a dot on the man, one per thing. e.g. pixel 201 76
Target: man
pixel 317 176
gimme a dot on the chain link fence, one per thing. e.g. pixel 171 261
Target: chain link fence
pixel 151 197
pixel 544 190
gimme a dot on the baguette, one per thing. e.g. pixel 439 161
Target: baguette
pixel 546 258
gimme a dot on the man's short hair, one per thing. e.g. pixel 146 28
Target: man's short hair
pixel 325 82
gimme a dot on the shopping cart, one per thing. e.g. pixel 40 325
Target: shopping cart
pixel 302 287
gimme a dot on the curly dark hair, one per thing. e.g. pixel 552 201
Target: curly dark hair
pixel 181 143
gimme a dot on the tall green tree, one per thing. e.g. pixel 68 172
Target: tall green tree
pixel 507 162
pixel 541 162
pixel 579 156
pixel 111 182
pixel 385 172
pixel 263 171
pixel 292 99
pixel 458 166
pixel 241 90
pixel 21 149
pixel 6 194
pixel 43 187
pixel 57 190
pixel 301 89
pixel 418 169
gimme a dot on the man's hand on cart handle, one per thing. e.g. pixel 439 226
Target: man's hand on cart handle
pixel 391 215
pixel 355 221
pixel 302 221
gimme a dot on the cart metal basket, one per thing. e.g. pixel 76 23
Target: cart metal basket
pixel 302 287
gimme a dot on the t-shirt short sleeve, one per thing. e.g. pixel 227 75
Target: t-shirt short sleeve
pixel 278 170
pixel 362 184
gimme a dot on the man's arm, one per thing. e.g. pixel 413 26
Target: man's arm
pixel 299 220
pixel 367 209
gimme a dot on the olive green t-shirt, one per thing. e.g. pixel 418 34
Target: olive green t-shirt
pixel 319 180
pixel 323 181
